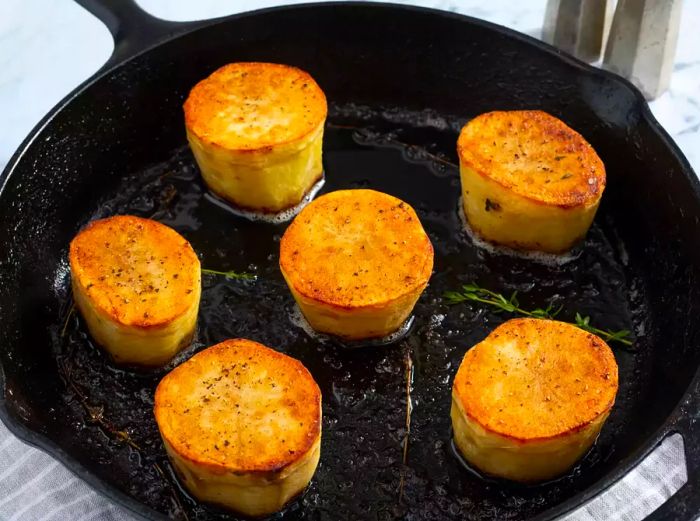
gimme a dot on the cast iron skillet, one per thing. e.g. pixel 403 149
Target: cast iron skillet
pixel 401 82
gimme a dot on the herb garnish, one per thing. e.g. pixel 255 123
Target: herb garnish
pixel 230 274
pixel 474 293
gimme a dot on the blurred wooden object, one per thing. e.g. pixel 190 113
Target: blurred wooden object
pixel 578 27
pixel 642 43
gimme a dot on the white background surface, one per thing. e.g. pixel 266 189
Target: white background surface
pixel 48 47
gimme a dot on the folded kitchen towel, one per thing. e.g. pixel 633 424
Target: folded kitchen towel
pixel 35 487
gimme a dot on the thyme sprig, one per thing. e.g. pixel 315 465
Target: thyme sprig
pixel 474 293
pixel 71 310
pixel 408 377
pixel 230 274
pixel 621 336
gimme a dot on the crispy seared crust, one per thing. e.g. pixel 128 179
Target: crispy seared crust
pixel 353 249
pixel 240 407
pixel 134 271
pixel 251 107
pixel 534 155
pixel 534 380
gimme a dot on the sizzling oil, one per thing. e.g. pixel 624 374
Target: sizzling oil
pixel 362 472
pixel 272 218
pixel 297 318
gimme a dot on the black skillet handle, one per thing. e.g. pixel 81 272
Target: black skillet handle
pixel 684 505
pixel 133 29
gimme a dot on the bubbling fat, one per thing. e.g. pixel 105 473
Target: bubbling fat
pixel 267 217
pixel 297 318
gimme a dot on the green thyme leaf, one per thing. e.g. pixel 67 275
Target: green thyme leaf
pixel 474 293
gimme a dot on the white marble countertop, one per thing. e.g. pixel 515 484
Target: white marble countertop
pixel 48 47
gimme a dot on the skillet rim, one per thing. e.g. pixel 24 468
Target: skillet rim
pixel 669 426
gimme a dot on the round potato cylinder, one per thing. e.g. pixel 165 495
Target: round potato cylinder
pixel 256 132
pixel 356 262
pixel 137 285
pixel 241 424
pixel 529 182
pixel 530 400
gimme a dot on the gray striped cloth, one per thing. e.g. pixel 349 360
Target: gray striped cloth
pixel 35 487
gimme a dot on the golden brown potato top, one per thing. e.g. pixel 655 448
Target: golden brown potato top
pixel 136 271
pixel 251 106
pixel 536 379
pixel 240 407
pixel 535 155
pixel 355 248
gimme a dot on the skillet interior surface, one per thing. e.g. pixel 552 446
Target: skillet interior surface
pixel 398 97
